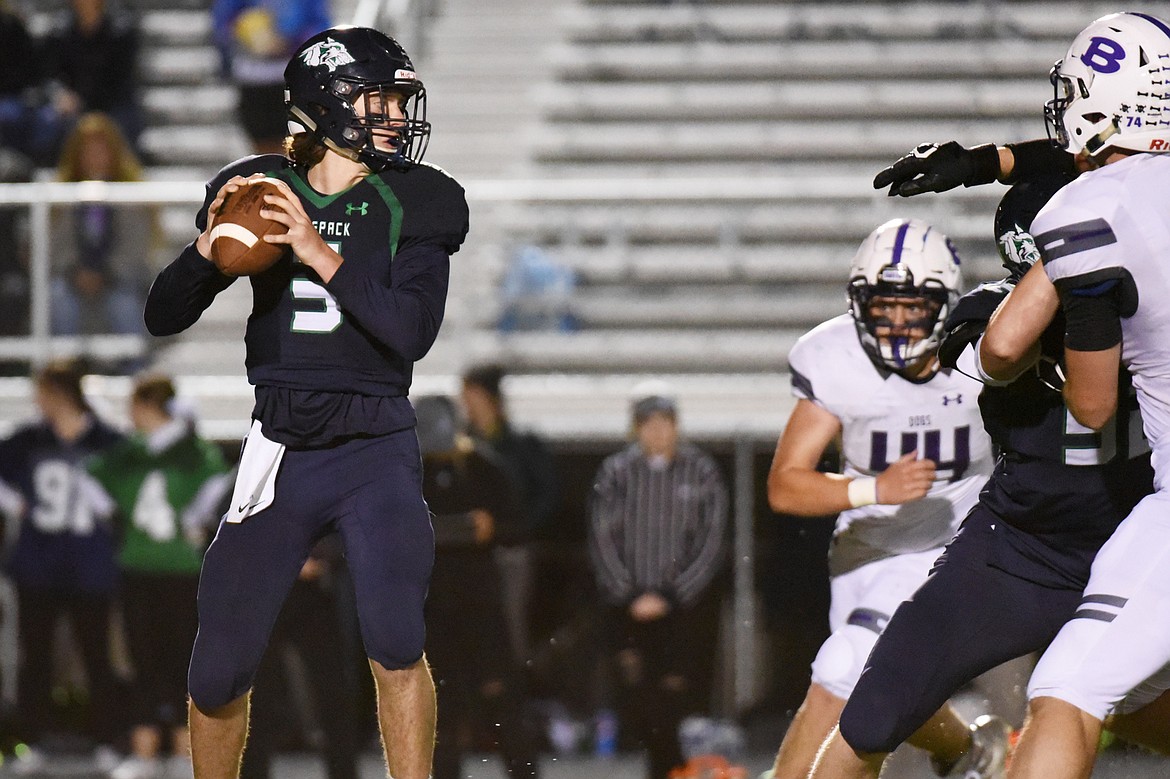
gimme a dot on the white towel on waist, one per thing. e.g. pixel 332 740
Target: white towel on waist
pixel 256 479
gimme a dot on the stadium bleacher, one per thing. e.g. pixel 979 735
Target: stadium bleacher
pixel 703 168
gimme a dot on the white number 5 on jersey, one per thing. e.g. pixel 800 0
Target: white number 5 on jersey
pixel 324 320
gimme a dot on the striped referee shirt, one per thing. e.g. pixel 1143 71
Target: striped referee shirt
pixel 658 529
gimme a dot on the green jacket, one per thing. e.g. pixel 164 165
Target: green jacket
pixel 152 491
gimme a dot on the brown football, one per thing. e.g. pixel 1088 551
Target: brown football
pixel 237 245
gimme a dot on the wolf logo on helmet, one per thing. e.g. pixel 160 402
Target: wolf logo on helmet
pixel 903 261
pixel 329 53
pixel 338 68
pixel 1110 90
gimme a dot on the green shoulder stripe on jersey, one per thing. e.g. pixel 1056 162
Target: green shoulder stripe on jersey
pixel 395 207
pixel 301 186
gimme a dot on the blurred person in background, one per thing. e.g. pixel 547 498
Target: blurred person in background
pixel 255 40
pixel 61 558
pixel 14 278
pixel 91 60
pixel 31 123
pixel 160 481
pixel 100 251
pixel 532 471
pixel 658 539
pixel 473 507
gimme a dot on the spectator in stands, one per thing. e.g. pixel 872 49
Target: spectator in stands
pixel 14 280
pixel 91 56
pixel 62 561
pixel 101 251
pixel 536 293
pixel 658 540
pixel 30 122
pixel 467 644
pixel 532 472
pixel 256 39
pixel 160 482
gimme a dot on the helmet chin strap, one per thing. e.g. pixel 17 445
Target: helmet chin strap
pixel 1094 144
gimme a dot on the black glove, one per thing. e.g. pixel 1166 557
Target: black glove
pixel 934 168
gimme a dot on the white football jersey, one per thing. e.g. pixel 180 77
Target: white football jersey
pixel 1109 222
pixel 884 416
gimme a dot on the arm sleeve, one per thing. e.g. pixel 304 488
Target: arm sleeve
pixel 1092 315
pixel 607 532
pixel 1039 158
pixel 184 289
pixel 710 537
pixel 182 292
pixel 406 315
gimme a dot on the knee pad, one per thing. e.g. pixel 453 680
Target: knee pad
pixel 213 683
pixel 841 659
pixel 394 644
pixel 873 721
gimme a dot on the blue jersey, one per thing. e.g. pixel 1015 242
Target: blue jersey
pixel 60 544
pixel 334 360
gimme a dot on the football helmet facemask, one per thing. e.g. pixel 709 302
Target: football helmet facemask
pixel 903 260
pixel 1110 91
pixel 334 70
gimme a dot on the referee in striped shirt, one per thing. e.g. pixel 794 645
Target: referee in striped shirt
pixel 657 540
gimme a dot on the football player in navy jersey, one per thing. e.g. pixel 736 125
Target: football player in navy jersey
pixel 336 326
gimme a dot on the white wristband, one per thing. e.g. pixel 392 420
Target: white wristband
pixel 862 491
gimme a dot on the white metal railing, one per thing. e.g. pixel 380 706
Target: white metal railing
pixel 40 197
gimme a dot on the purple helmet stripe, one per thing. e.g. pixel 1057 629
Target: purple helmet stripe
pixel 899 243
pixel 1156 22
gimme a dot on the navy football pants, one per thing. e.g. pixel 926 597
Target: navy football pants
pixel 968 617
pixel 370 491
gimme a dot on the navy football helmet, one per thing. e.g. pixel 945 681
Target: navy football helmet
pixel 1013 222
pixel 338 67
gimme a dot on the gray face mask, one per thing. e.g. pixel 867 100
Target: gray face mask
pixel 437 423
